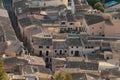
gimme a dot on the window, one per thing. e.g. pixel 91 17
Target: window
pixel 40 46
pixel 76 53
pixel 65 51
pixel 60 52
pixel 40 53
pixel 71 52
pixel 62 22
pixel 55 51
pixel 71 24
pixel 100 27
pixel 47 46
pixel 47 52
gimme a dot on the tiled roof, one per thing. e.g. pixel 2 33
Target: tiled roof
pixel 59 61
pixel 117 15
pixel 62 18
pixel 95 56
pixel 83 65
pixel 25 22
pixel 60 45
pixel 6 25
pixel 43 41
pixel 15 47
pixel 14 60
pixel 111 72
pixel 41 3
pixel 74 42
pixel 44 70
pixel 34 68
pixel 3 46
pixel 70 17
pixel 92 19
pixel 21 7
pixel 34 60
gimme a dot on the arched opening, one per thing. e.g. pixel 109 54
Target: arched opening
pixel 76 53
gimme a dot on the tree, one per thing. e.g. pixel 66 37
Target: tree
pixel 68 76
pixel 62 76
pixel 93 2
pixel 99 6
pixel 3 75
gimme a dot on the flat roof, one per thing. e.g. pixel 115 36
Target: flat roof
pixel 35 60
pixel 74 59
pixel 78 70
pixel 61 59
pixel 42 35
pixel 3 13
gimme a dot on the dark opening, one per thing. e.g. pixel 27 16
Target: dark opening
pixel 71 23
pixel 108 58
pixel 40 46
pixel 47 52
pixel 65 51
pixel 46 60
pixel 62 22
pixel 71 52
pixel 40 53
pixel 76 53
pixel 47 46
pixel 60 52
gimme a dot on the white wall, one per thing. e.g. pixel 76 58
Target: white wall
pixel 75 49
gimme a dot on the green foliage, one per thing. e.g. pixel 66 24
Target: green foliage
pixel 62 76
pixel 68 76
pixel 93 2
pixel 99 6
pixel 3 75
pixel 96 4
pixel 118 1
